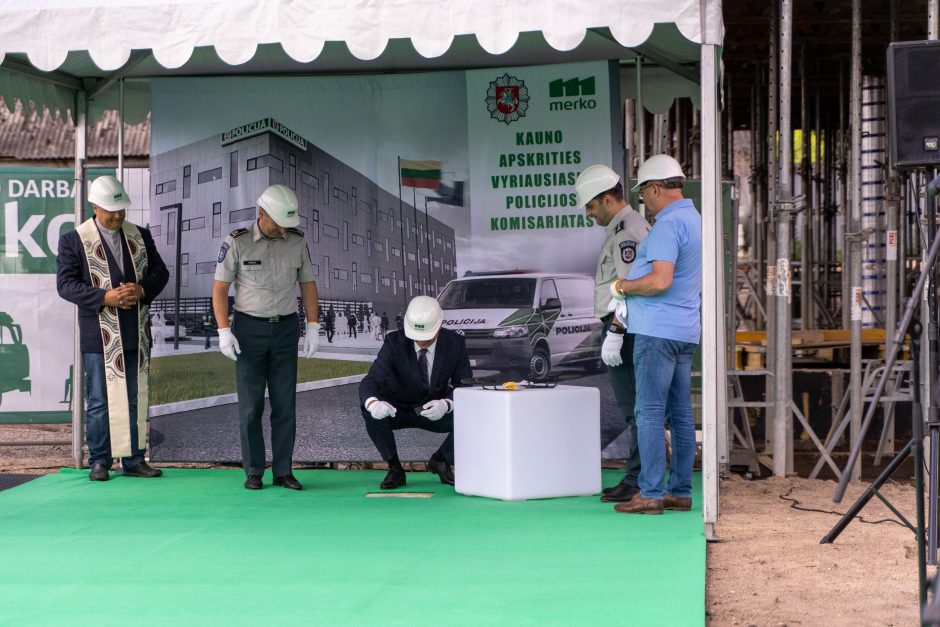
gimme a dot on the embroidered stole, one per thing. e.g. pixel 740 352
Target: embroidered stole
pixel 118 404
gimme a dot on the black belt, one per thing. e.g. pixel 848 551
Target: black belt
pixel 270 319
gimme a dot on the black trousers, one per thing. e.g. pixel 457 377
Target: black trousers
pixel 623 382
pixel 382 431
pixel 268 359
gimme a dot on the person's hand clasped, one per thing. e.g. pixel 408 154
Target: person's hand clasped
pixel 435 410
pixel 381 409
pixel 228 343
pixel 610 349
pixel 123 296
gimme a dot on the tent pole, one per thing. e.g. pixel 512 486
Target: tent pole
pixel 78 375
pixel 120 154
pixel 714 377
pixel 640 113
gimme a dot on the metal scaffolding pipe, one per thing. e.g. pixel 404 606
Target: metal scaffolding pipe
pixel 807 285
pixel 819 197
pixel 770 269
pixel 933 21
pixel 853 239
pixel 843 199
pixel 758 193
pixel 784 210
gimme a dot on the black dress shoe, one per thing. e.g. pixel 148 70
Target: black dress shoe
pixel 99 472
pixel 143 469
pixel 620 494
pixel 442 469
pixel 288 481
pixel 614 487
pixel 394 479
pixel 253 482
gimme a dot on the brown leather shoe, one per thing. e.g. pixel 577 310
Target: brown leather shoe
pixel 640 505
pixel 677 503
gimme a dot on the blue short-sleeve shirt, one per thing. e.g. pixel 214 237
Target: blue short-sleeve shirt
pixel 675 314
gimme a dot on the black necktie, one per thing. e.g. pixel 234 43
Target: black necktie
pixel 423 366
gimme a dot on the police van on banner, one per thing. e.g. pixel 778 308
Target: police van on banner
pixel 525 323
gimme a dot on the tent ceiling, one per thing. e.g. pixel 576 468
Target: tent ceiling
pixel 69 41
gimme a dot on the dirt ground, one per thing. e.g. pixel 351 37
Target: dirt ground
pixel 769 567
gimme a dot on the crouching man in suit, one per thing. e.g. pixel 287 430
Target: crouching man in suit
pixel 411 385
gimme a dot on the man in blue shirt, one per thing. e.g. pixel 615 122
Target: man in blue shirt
pixel 663 291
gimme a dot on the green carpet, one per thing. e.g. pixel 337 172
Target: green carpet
pixel 195 548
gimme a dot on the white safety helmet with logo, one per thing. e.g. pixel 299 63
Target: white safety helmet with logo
pixel 108 193
pixel 594 180
pixel 280 202
pixel 657 168
pixel 423 318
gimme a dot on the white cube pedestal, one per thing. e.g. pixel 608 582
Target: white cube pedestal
pixel 527 444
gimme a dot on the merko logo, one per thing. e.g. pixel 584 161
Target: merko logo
pixel 572 90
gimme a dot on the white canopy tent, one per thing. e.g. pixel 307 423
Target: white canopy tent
pixel 69 55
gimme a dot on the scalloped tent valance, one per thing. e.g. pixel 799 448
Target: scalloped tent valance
pixel 71 40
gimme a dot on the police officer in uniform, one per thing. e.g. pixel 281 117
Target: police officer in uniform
pixel 266 262
pixel 601 194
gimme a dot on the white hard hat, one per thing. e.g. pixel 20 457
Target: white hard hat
pixel 423 318
pixel 657 168
pixel 595 179
pixel 108 193
pixel 280 202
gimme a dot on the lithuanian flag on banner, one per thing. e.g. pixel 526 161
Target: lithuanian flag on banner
pixel 423 174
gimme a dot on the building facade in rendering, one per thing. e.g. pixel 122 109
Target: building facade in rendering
pixel 370 251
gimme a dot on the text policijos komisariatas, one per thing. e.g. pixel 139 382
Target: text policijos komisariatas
pixel 525 189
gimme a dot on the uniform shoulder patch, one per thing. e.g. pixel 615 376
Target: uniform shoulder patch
pixel 238 232
pixel 222 251
pixel 628 250
pixel 619 227
pixel 295 231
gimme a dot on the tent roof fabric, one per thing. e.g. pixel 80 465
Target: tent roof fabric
pixel 47 30
pixel 94 39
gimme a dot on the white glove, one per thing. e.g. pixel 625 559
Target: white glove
pixel 619 309
pixel 228 344
pixel 610 349
pixel 381 409
pixel 311 340
pixel 435 410
pixel 613 291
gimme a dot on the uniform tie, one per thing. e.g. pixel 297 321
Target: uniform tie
pixel 423 366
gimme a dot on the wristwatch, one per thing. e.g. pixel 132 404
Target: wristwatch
pixel 616 330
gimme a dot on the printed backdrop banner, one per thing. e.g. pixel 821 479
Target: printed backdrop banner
pixel 36 326
pixel 407 184
pixel 531 132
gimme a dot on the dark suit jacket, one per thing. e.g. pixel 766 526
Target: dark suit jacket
pixel 73 282
pixel 394 375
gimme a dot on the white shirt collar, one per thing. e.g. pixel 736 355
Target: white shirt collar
pixel 104 230
pixel 430 348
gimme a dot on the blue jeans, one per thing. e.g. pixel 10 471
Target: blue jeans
pixel 97 424
pixel 663 391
